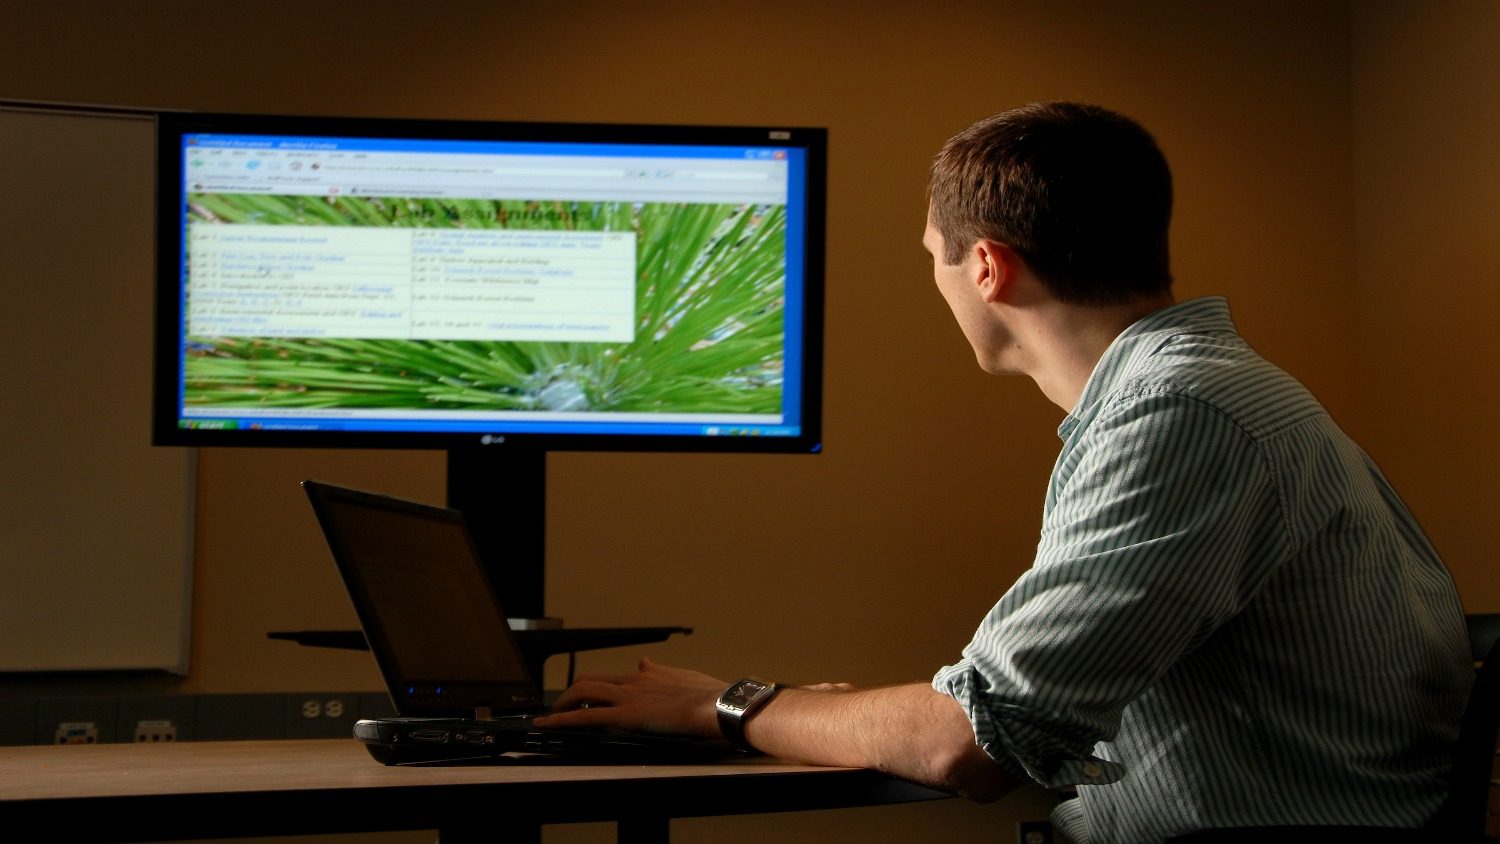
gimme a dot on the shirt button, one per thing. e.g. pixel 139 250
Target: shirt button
pixel 1092 771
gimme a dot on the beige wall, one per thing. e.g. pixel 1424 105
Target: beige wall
pixel 873 561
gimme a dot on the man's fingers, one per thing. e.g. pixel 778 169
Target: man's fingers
pixel 585 692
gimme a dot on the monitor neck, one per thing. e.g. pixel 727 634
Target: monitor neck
pixel 503 496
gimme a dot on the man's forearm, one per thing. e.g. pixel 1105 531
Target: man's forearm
pixel 910 731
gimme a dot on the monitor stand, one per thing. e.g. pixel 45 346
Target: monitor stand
pixel 502 493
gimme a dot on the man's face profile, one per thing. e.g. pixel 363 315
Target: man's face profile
pixel 958 285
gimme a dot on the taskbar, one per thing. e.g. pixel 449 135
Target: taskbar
pixel 737 429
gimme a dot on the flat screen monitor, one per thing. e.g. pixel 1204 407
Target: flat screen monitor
pixel 494 289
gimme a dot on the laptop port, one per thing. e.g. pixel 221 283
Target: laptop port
pixel 438 736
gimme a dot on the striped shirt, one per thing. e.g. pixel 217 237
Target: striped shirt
pixel 1231 620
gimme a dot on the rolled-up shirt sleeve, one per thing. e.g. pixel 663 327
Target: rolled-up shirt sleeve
pixel 1161 522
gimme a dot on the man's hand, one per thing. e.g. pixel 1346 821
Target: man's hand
pixel 655 699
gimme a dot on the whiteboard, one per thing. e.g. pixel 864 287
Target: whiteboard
pixel 96 549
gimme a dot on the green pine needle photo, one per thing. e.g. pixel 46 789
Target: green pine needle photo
pixel 710 301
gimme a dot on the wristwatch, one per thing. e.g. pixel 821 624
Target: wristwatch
pixel 738 703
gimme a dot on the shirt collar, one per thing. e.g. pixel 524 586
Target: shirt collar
pixel 1208 314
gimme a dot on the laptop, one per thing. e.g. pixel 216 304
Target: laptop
pixel 438 631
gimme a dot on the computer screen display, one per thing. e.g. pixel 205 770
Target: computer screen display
pixel 451 284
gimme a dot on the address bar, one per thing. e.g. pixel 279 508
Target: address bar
pixel 561 172
pixel 435 170
pixel 550 172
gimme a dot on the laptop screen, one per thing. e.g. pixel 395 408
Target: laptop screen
pixel 436 627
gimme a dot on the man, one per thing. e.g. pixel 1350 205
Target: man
pixel 1231 619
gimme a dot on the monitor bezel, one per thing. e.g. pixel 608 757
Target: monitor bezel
pixel 171 126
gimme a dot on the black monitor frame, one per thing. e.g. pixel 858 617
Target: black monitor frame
pixel 498 482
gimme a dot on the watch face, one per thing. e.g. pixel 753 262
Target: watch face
pixel 743 692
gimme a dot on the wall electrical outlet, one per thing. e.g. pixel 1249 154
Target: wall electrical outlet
pixel 1034 832
pixel 149 732
pixel 333 707
pixel 321 715
pixel 76 732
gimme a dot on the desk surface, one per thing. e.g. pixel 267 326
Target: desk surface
pixel 135 792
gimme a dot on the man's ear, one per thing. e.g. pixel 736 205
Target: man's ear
pixel 998 267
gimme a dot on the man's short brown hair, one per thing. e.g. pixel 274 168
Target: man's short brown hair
pixel 1081 193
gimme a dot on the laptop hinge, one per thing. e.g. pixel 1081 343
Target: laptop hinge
pixel 482 713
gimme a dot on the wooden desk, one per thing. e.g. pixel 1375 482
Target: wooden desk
pixel 136 792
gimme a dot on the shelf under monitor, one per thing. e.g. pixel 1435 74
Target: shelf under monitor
pixel 536 644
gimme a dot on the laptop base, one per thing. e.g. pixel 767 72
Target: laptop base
pixel 405 741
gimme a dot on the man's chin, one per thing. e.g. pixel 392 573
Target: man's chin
pixel 994 366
